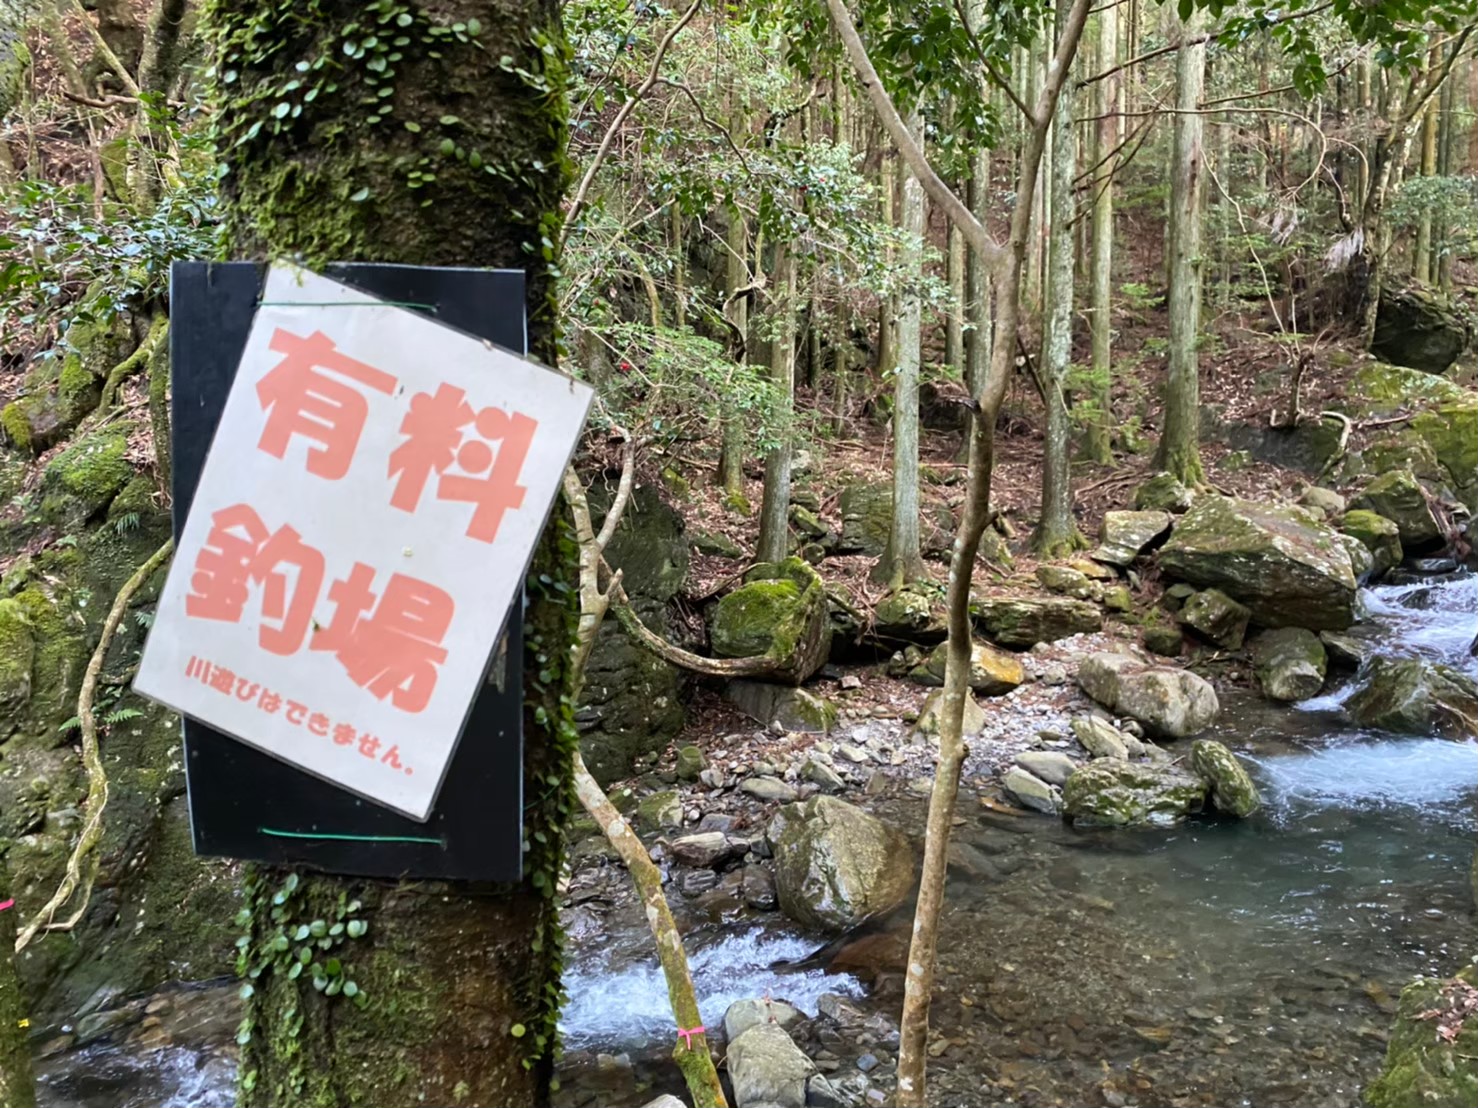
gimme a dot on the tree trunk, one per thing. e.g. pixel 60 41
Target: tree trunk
pixel 1447 167
pixel 954 327
pixel 1057 531
pixel 458 985
pixel 774 542
pixel 888 171
pixel 736 310
pixel 1100 316
pixel 904 560
pixel 1421 260
pixel 1180 438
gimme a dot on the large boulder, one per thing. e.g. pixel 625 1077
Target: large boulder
pixel 1285 565
pixel 780 613
pixel 1169 702
pixel 1290 663
pixel 1378 535
pixel 1125 535
pixel 1412 696
pixel 794 709
pixel 1439 444
pixel 1163 493
pixel 993 671
pixel 1432 1056
pixel 836 865
pixel 1026 621
pixel 1399 496
pixel 867 521
pixel 1111 793
pixel 767 1069
pixel 1232 790
pixel 1416 327
pixel 1217 616
pixel 908 615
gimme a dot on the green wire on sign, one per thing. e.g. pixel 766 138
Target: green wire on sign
pixel 350 838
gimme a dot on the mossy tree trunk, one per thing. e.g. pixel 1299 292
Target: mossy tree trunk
pixel 433 136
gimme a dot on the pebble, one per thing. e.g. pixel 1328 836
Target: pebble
pixel 867 1062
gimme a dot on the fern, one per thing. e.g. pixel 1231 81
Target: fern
pixel 122 715
pixel 128 521
pixel 70 725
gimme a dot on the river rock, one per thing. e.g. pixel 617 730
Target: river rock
pixel 1024 622
pixel 740 1016
pixel 1344 649
pixel 993 671
pixel 666 1100
pixel 1163 493
pixel 823 776
pixel 780 613
pixel 706 849
pixel 690 763
pixel 659 811
pixel 1126 534
pixel 1412 696
pixel 767 1069
pixel 1051 766
pixel 928 724
pixel 1290 663
pixel 765 787
pixel 1217 616
pixel 1031 791
pixel 836 865
pixel 1101 738
pixel 1232 790
pixel 1399 497
pixel 1169 702
pixel 1378 534
pixel 1282 563
pixel 793 709
pixel 1424 1069
pixel 1110 793
pixel 1322 500
pixel 1418 328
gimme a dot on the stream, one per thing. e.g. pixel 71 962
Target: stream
pixel 1223 963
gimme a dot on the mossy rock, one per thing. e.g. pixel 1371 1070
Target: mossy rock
pixel 867 518
pixel 1113 793
pixel 993 672
pixel 659 811
pixel 807 523
pixel 1232 790
pixel 1163 493
pixel 908 615
pixel 1399 496
pixel 1066 581
pixel 1411 696
pixel 1424 1069
pixel 650 546
pixel 720 546
pixel 17 653
pixel 794 709
pixel 1024 622
pixel 1290 663
pixel 83 479
pixel 1377 534
pixel 1451 431
pixel 690 763
pixel 780 613
pixel 1418 327
pixel 1381 389
pixel 1217 616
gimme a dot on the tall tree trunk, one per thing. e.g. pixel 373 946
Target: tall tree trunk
pixel 1057 531
pixel 888 170
pixel 1421 260
pixel 774 542
pixel 458 985
pixel 904 560
pixel 1447 167
pixel 954 326
pixel 1100 317
pixel 1180 438
pixel 736 310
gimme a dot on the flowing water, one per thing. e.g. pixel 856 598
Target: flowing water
pixel 1221 963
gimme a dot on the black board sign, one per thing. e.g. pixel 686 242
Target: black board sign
pixel 245 803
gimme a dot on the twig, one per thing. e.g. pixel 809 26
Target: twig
pixel 97 778
pixel 106 51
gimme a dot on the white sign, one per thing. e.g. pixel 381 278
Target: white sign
pixel 362 526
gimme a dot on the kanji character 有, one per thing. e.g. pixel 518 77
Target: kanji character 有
pixel 240 551
pixel 394 652
pixel 301 399
pixel 435 438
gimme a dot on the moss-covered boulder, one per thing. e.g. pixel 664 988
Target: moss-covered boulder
pixel 1290 663
pixel 1025 621
pixel 1163 493
pixel 1282 562
pixel 1379 388
pixel 971 722
pixel 909 615
pixel 82 480
pixel 1067 581
pixel 792 708
pixel 1432 1056
pixel 836 865
pixel 659 811
pixel 1399 497
pixel 1125 535
pixel 1412 696
pixel 993 672
pixel 17 653
pixel 1418 327
pixel 1378 535
pixel 1451 431
pixel 1169 702
pixel 780 613
pixel 1232 790
pixel 867 518
pixel 1114 793
pixel 59 391
pixel 1218 617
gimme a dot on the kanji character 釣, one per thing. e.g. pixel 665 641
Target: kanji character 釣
pixel 301 399
pixel 434 439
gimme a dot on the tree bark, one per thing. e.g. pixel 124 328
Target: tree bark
pixel 1100 316
pixel 1422 267
pixel 904 560
pixel 1057 532
pixel 457 985
pixel 736 310
pixel 774 541
pixel 888 170
pixel 1180 437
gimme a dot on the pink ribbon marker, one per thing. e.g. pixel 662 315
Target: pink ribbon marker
pixel 7 904
pixel 686 1034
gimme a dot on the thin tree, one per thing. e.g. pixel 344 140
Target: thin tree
pixel 457 988
pixel 1108 104
pixel 1180 438
pixel 774 541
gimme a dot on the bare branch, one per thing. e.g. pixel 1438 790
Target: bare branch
pixel 106 52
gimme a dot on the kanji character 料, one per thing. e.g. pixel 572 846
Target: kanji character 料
pixel 395 651
pixel 301 399
pixel 434 439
